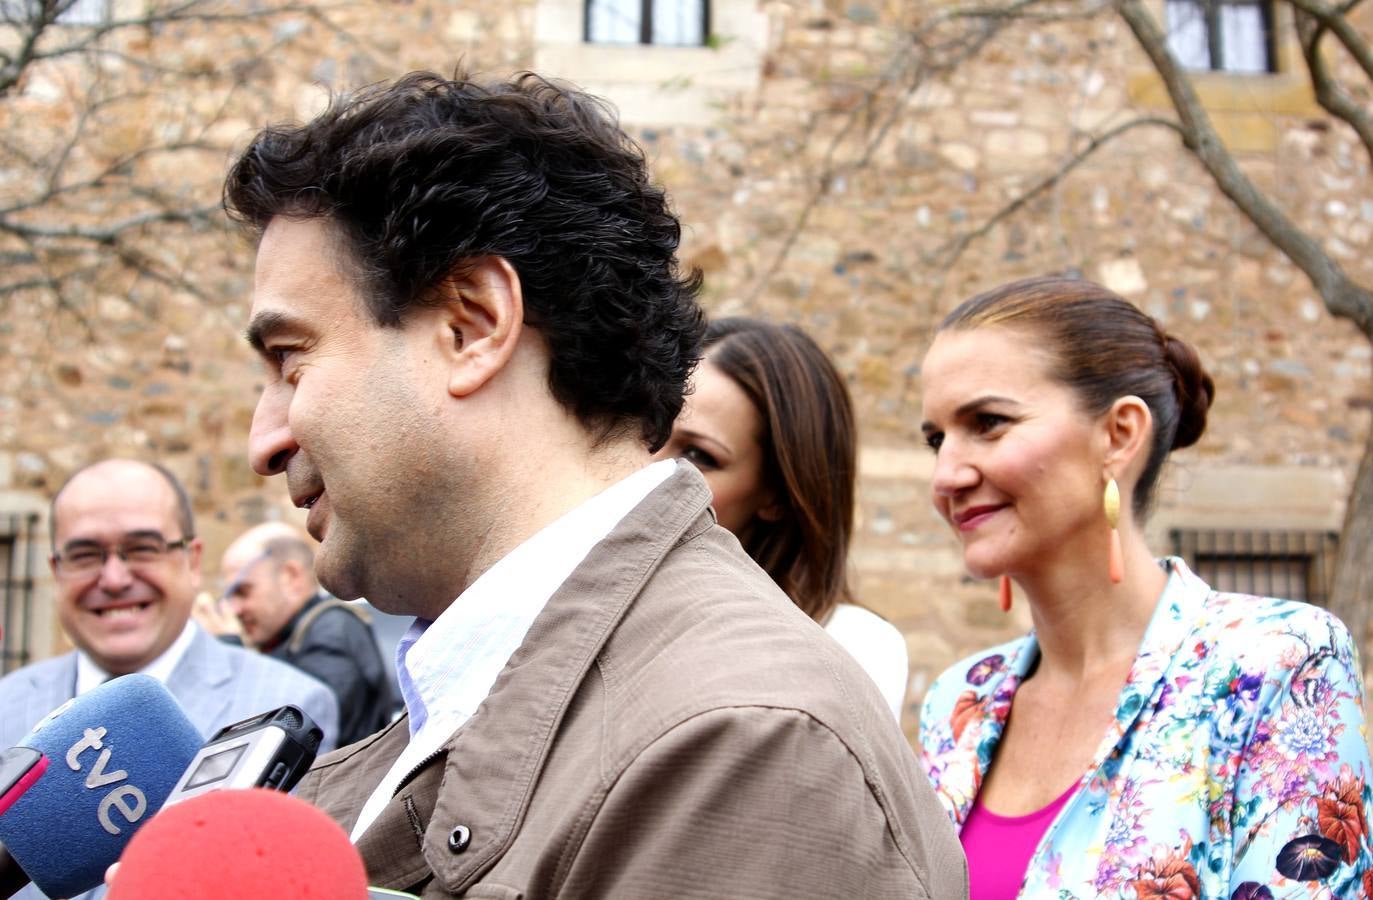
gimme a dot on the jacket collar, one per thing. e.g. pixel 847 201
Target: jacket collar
pixel 984 709
pixel 484 776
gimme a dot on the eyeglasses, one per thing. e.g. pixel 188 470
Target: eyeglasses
pixel 87 558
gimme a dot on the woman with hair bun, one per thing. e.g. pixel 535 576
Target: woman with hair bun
pixel 770 425
pixel 1150 737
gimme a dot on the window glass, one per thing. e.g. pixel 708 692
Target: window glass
pixel 613 21
pixel 678 22
pixel 1187 34
pixel 1222 35
pixel 1244 38
pixel 669 22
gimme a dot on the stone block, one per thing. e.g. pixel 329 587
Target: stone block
pixel 1124 276
pixel 898 462
pixel 962 156
pixel 1017 148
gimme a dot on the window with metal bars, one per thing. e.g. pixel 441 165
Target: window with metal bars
pixel 678 23
pixel 17 548
pixel 1222 35
pixel 1294 565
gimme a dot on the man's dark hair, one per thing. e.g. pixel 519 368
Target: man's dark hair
pixel 426 173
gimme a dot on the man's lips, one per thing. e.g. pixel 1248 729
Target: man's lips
pixel 314 522
pixel 306 500
pixel 119 608
pixel 970 518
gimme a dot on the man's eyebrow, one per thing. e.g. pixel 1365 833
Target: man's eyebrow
pixel 75 543
pixel 264 325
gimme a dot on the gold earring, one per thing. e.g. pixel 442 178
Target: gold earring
pixel 1004 592
pixel 1115 566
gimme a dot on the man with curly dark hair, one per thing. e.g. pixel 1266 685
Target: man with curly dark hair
pixel 475 332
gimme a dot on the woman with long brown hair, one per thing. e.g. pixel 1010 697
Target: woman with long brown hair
pixel 1151 737
pixel 770 425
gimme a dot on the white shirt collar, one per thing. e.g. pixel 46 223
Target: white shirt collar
pixel 90 675
pixel 447 667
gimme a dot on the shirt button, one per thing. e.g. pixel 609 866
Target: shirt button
pixel 459 838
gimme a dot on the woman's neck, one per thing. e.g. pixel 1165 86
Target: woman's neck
pixel 1089 628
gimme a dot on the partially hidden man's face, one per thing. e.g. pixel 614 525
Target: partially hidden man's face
pixel 349 413
pixel 255 591
pixel 125 614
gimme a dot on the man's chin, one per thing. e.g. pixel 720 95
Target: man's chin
pixel 120 663
pixel 340 582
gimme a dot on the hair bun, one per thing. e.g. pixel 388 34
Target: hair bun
pixel 1195 391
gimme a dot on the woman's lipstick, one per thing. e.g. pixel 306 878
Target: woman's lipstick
pixel 973 517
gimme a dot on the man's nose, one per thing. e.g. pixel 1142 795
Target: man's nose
pixel 270 443
pixel 115 576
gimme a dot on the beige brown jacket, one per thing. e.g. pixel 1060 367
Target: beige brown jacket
pixel 672 726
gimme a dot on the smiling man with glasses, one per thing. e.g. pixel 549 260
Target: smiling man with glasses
pixel 126 563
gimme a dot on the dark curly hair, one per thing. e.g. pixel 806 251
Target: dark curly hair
pixel 426 173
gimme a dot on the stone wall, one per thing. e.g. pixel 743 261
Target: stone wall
pixel 903 175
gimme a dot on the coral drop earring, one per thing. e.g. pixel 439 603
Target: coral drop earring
pixel 1115 565
pixel 1004 591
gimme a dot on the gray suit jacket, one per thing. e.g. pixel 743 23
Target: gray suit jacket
pixel 672 726
pixel 215 684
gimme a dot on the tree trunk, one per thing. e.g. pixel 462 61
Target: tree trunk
pixel 1352 595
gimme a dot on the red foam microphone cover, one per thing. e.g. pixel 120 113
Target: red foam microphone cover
pixel 235 844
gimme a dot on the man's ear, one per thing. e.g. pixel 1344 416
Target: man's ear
pixel 1129 425
pixel 193 551
pixel 483 312
pixel 293 578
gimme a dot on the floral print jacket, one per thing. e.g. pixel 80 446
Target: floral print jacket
pixel 1236 767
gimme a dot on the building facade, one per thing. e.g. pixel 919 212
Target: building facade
pixel 834 167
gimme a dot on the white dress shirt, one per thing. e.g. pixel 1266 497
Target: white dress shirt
pixel 447 667
pixel 90 675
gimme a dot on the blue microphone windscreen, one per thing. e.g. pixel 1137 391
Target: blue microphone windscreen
pixel 115 753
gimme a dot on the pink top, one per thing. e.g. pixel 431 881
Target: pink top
pixel 999 847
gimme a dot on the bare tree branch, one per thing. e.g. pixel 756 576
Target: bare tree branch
pixel 49 281
pixel 34 32
pixel 12 67
pixel 929 54
pixel 1337 21
pixel 946 257
pixel 1329 94
pixel 1342 296
pixel 144 265
pixel 108 234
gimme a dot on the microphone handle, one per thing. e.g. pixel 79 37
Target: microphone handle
pixel 12 878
